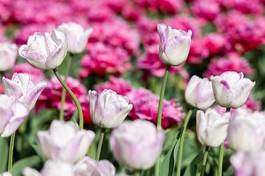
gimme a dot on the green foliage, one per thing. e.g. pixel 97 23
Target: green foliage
pixel 3 154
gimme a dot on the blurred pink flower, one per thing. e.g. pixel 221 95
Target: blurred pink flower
pixel 233 62
pixel 103 59
pixel 118 85
pixel 216 43
pixel 51 98
pixel 145 105
pixel 207 9
pixel 198 52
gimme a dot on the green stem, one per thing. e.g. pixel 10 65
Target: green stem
pixel 161 98
pixel 137 173
pixel 204 161
pixel 68 65
pixel 11 151
pixel 181 145
pixel 157 167
pixel 77 103
pixel 220 161
pixel 100 143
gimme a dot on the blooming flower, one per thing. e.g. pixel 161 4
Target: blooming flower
pixel 8 54
pixel 199 93
pixel 174 44
pixel 137 149
pixel 108 109
pixel 64 141
pixel 45 50
pixel 231 89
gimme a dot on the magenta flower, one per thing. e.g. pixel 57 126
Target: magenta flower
pixel 36 74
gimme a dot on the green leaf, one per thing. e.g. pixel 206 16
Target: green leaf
pixel 3 154
pixel 192 168
pixel 18 167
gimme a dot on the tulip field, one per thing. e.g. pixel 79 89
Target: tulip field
pixel 132 88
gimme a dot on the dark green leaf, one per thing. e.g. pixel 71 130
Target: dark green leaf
pixel 18 167
pixel 3 154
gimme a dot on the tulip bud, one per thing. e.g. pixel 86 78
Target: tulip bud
pixel 65 142
pixel 211 127
pixel 8 54
pixel 6 174
pixel 249 163
pixel 174 44
pixel 231 89
pixel 51 168
pixel 76 36
pixel 45 50
pixel 137 144
pixel 108 109
pixel 23 89
pixel 90 167
pixel 246 130
pixel 12 115
pixel 199 93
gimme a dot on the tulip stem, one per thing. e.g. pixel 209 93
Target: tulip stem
pixel 77 103
pixel 182 139
pixel 137 173
pixel 11 151
pixel 100 143
pixel 68 65
pixel 220 161
pixel 204 161
pixel 161 98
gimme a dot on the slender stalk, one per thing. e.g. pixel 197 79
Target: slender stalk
pixel 77 103
pixel 100 143
pixel 181 145
pixel 204 161
pixel 11 151
pixel 137 173
pixel 220 161
pixel 157 167
pixel 68 65
pixel 161 98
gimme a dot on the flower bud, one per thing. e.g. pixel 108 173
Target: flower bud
pixel 108 109
pixel 76 36
pixel 249 163
pixel 6 174
pixel 90 167
pixel 23 89
pixel 45 50
pixel 246 130
pixel 211 127
pixel 199 93
pixel 174 44
pixel 137 144
pixel 8 54
pixel 12 115
pixel 231 89
pixel 64 141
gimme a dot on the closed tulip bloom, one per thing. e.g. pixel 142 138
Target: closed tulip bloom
pixel 45 50
pixel 8 54
pixel 23 89
pixel 12 115
pixel 199 93
pixel 246 131
pixel 211 127
pixel 51 168
pixel 64 141
pixel 174 44
pixel 249 163
pixel 6 174
pixel 231 89
pixel 137 144
pixel 76 36
pixel 108 109
pixel 90 167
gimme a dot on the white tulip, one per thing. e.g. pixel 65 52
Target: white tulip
pixel 8 54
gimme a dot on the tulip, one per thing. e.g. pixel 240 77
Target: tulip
pixel 231 89
pixel 23 89
pixel 90 167
pixel 137 144
pixel 199 93
pixel 64 141
pixel 246 131
pixel 249 163
pixel 51 168
pixel 8 54
pixel 174 44
pixel 211 127
pixel 12 114
pixel 6 174
pixel 108 109
pixel 45 50
pixel 76 36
